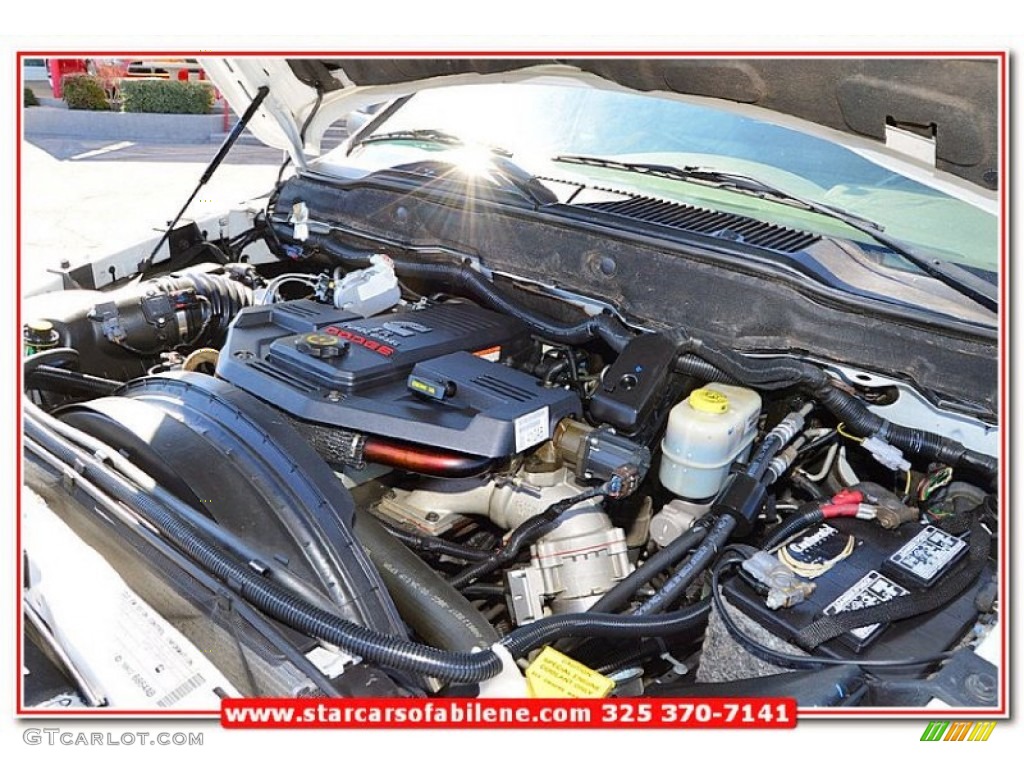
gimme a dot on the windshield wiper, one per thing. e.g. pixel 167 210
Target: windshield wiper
pixel 433 135
pixel 956 277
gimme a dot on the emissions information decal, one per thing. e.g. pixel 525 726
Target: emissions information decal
pixel 532 429
pixel 874 589
pixel 135 658
pixel 927 554
pixel 156 661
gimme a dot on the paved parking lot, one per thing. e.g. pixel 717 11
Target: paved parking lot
pixel 245 152
pixel 84 198
pixel 100 203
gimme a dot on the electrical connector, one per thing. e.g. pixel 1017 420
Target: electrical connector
pixel 299 219
pixel 885 454
pixel 624 481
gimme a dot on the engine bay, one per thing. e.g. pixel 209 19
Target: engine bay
pixel 402 458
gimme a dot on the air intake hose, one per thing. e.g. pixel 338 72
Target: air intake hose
pixel 183 309
pixel 226 296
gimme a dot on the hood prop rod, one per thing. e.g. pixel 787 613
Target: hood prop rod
pixel 225 147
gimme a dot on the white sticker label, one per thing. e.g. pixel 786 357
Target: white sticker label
pixel 531 429
pixel 151 657
pixel 874 589
pixel 928 553
pixel 133 657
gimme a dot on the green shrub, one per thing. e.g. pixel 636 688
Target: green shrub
pixel 177 97
pixel 84 92
pixel 30 98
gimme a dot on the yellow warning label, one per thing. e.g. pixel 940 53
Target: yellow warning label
pixel 553 675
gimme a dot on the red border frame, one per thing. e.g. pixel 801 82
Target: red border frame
pixel 1004 487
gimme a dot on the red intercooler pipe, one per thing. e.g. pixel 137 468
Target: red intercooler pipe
pixel 423 459
pixel 340 446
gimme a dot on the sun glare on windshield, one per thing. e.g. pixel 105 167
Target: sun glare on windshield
pixel 473 161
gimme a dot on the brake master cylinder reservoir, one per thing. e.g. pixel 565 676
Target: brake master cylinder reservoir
pixel 706 433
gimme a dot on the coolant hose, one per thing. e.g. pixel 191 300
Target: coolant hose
pixel 543 631
pixel 62 380
pixel 58 357
pixel 462 279
pixel 431 606
pixel 269 597
pixel 616 597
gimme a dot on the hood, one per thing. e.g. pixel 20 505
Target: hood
pixel 947 107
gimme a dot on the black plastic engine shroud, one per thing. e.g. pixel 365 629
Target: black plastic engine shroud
pixel 330 367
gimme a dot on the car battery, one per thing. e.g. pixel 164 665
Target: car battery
pixel 858 564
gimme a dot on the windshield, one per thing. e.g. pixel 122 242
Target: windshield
pixel 537 122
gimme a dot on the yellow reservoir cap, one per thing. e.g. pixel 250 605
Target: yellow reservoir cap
pixel 40 326
pixel 708 401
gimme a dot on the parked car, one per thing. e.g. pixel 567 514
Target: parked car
pixel 685 368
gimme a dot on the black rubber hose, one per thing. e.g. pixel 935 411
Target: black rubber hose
pixel 431 606
pixel 606 625
pixel 54 379
pixel 436 545
pixel 522 537
pixel 805 516
pixel 462 279
pixel 269 597
pixel 691 568
pixel 718 365
pixel 616 597
pixel 58 357
pixel 478 591
pixel 555 370
pixel 759 464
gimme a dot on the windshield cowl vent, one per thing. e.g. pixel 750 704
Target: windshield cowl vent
pixel 703 221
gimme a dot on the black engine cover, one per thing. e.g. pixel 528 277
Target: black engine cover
pixel 429 376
